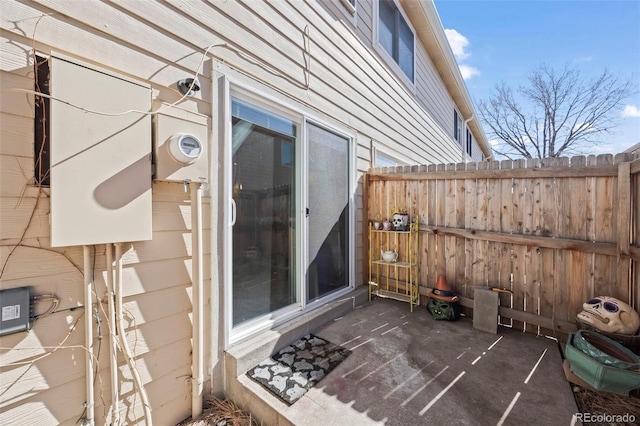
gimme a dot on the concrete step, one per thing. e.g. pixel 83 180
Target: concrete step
pixel 245 355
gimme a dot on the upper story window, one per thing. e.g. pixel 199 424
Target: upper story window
pixel 469 142
pixel 457 127
pixel 396 36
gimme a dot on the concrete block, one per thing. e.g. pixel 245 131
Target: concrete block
pixel 485 310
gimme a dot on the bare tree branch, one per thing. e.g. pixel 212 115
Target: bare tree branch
pixel 557 113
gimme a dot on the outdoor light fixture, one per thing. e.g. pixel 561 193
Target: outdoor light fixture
pixel 189 86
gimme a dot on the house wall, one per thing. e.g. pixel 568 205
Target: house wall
pixel 302 49
pixel 429 91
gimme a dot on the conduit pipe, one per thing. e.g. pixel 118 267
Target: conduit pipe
pixel 113 342
pixel 88 335
pixel 197 378
pixel 123 339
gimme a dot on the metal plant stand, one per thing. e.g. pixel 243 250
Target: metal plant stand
pixel 397 279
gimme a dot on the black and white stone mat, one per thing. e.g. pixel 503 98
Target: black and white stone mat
pixel 294 370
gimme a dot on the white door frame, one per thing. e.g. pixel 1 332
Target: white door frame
pixel 233 84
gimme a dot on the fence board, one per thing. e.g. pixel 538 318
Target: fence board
pixel 547 286
pixel 577 229
pixel 480 261
pixel 451 217
pixel 467 260
pixel 518 269
pixel 506 212
pixel 623 290
pixel 604 208
pixel 532 218
pixel 438 210
pixel 494 250
pixel 424 238
pixel 506 189
pixel 590 216
pixel 534 284
pixel 459 242
pixel 432 262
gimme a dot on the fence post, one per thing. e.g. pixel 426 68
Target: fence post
pixel 624 230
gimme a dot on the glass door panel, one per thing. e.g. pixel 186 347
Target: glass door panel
pixel 263 180
pixel 328 212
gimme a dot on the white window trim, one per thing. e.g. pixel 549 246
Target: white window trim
pixel 387 152
pixel 348 11
pixel 388 59
pixel 237 85
pixel 351 8
pixel 351 136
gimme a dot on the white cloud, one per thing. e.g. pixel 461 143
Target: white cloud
pixel 458 43
pixel 468 71
pixel 587 127
pixel 631 111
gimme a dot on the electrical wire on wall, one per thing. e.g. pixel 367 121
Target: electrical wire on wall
pixel 55 348
pixel 52 309
pixel 306 54
pixel 37 183
pixel 121 334
pixel 53 304
pixel 93 305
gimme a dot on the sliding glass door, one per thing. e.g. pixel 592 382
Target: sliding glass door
pixel 291 214
pixel 263 191
pixel 328 211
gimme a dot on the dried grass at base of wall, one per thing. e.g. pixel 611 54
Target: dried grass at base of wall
pixel 594 402
pixel 220 412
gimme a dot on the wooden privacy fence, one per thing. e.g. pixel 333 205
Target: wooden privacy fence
pixel 556 232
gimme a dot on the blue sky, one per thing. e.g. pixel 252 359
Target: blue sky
pixel 502 41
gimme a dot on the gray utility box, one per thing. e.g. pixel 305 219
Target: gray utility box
pixel 16 310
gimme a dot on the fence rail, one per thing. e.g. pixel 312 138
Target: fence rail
pixel 556 231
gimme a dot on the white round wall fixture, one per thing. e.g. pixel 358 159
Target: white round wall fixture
pixel 185 148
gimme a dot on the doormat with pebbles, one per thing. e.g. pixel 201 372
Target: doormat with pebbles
pixel 294 370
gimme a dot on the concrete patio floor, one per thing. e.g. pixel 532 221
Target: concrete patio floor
pixel 407 369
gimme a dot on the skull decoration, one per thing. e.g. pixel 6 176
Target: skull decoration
pixel 442 310
pixel 400 221
pixel 610 315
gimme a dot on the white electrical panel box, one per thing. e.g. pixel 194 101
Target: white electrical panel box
pixel 100 156
pixel 180 145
